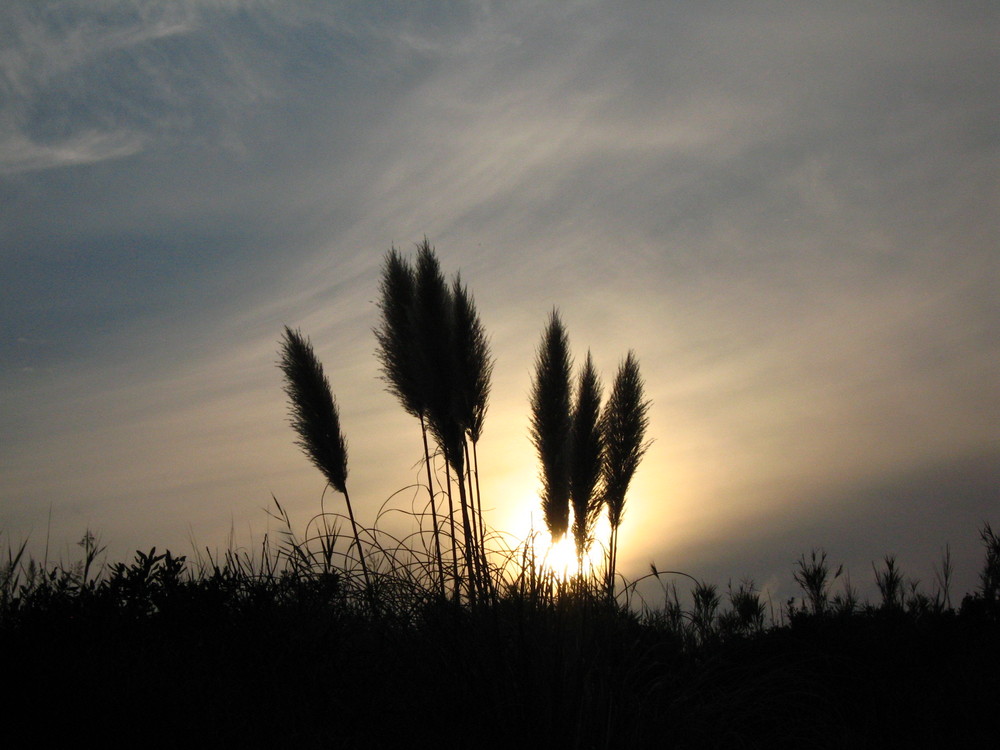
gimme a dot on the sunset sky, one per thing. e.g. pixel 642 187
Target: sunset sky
pixel 791 214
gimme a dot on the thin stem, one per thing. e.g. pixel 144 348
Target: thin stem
pixel 357 543
pixel 430 492
pixel 451 520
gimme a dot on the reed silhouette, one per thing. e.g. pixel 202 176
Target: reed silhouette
pixel 586 459
pixel 317 421
pixel 398 352
pixel 623 424
pixel 551 423
pixel 436 360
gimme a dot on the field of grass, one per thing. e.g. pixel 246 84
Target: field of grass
pixel 288 646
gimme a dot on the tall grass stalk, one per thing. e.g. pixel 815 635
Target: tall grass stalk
pixel 436 359
pixel 399 355
pixel 473 364
pixel 623 425
pixel 315 419
pixel 551 423
pixel 587 449
pixel 434 330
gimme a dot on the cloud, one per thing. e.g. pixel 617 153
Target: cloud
pixel 24 155
pixel 60 78
pixel 81 79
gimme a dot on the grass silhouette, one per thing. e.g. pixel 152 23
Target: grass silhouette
pixel 280 645
pixel 586 454
pixel 551 423
pixel 316 420
pixel 455 635
pixel 436 360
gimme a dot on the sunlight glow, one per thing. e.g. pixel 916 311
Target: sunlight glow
pixel 559 557
pixel 523 522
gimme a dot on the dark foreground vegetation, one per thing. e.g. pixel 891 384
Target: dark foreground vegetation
pixel 278 650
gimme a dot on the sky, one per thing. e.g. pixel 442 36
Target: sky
pixel 788 213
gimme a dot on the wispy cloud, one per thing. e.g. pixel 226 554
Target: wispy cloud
pixel 24 155
pixel 76 76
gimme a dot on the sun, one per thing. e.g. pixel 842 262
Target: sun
pixel 528 532
pixel 558 557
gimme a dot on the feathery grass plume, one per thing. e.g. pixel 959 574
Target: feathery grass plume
pixel 474 362
pixel 623 424
pixel 433 324
pixel 473 369
pixel 434 328
pixel 587 445
pixel 313 409
pixel 435 358
pixel 399 354
pixel 551 423
pixel 315 418
pixel 397 350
